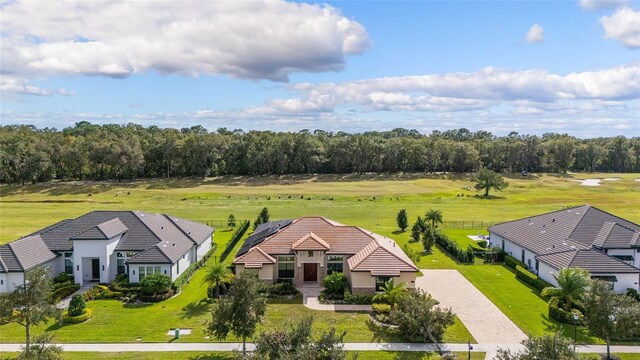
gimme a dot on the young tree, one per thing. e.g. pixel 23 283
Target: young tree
pixel 428 238
pixel 76 305
pixel 417 229
pixel 420 320
pixel 554 346
pixel 262 218
pixel 572 285
pixel 487 179
pixel 434 217
pixel 155 284
pixel 415 256
pixel 240 311
pixel 231 221
pixel 610 316
pixel 402 220
pixel 41 349
pixel 296 343
pixel 29 304
pixel 217 275
pixel 391 293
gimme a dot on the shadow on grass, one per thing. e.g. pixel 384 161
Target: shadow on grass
pixel 136 305
pixel 227 356
pixel 398 232
pixel 196 308
pixel 383 334
pixel 283 300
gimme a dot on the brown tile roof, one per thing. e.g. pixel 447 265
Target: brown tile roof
pixel 383 257
pixel 255 258
pixel 592 260
pixel 310 241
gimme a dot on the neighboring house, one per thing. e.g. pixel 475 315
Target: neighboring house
pixel 102 244
pixel 605 245
pixel 307 249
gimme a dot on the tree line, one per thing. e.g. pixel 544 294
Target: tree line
pixel 101 152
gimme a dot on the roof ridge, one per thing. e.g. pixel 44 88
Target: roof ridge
pixel 390 252
pixel 151 247
pixel 560 252
pixel 147 227
pixel 615 216
pixel 180 228
pixel 532 216
pixel 363 251
pixel 623 226
pixel 607 255
pixel 14 253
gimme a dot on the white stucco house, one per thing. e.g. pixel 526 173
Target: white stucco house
pixel 102 244
pixel 307 249
pixel 604 244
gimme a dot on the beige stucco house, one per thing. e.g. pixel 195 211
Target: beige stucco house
pixel 307 249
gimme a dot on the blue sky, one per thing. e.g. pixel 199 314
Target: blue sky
pixel 531 67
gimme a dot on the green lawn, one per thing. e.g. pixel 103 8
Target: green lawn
pixel 369 201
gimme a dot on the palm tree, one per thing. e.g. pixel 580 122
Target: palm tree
pixel 217 275
pixel 391 292
pixel 572 285
pixel 434 216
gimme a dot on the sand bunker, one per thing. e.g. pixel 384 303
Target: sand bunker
pixel 637 179
pixel 596 182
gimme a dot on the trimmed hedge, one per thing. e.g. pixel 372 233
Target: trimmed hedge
pixel 60 285
pixel 67 319
pixel 101 292
pixel 381 308
pixel 464 256
pixel 63 292
pixel 531 278
pixel 237 235
pixel 633 293
pixel 512 262
pixel 156 298
pixel 186 275
pixel 282 288
pixel 62 278
pixel 561 315
pixel 349 298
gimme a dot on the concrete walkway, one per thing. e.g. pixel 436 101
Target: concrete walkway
pixel 64 303
pixel 485 321
pixel 310 299
pixel 171 347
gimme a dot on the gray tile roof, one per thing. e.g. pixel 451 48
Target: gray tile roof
pixel 25 254
pixel 153 255
pixel 574 228
pixel 106 230
pixel 592 260
pixel 142 232
pixel 615 236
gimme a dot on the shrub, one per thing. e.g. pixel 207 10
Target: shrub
pixel 531 278
pixel 381 308
pixel 464 256
pixel 560 315
pixel 335 283
pixel 512 262
pixel 63 292
pixel 68 319
pixel 349 298
pixel 155 284
pixel 282 288
pixel 158 297
pixel 62 277
pixel 211 290
pixel 59 285
pixel 77 305
pixel 633 293
pixel 237 235
pixel 101 292
pixel 500 254
pixel 186 275
pixel 482 243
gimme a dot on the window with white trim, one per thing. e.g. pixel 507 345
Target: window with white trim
pixel 335 263
pixel 68 263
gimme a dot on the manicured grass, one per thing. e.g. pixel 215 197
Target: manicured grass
pixel 369 201
pixel 188 355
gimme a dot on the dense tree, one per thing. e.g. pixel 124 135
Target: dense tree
pixel 402 220
pixel 29 304
pixel 98 152
pixel 155 284
pixel 554 346
pixel 77 305
pixel 240 311
pixel 487 179
pixel 610 316
pixel 572 285
pixel 417 229
pixel 429 236
pixel 262 218
pixel 231 221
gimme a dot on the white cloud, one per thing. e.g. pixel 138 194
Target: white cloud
pixel 244 39
pixel 596 5
pixel 535 34
pixel 14 86
pixel 624 26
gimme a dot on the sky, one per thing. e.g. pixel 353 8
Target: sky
pixel 527 66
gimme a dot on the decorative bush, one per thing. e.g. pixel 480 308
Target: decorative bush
pixel 77 305
pixel 335 283
pixel 101 292
pixel 63 292
pixel 349 298
pixel 68 319
pixel 381 308
pixel 482 243
pixel 634 294
pixel 464 256
pixel 155 284
pixel 531 278
pixel 512 262
pixel 60 285
pixel 157 298
pixel 62 277
pixel 282 288
pixel 561 315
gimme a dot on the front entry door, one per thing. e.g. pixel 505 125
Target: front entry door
pixel 95 269
pixel 311 272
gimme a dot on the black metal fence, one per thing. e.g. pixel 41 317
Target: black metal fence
pixel 468 224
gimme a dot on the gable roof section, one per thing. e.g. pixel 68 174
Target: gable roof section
pixel 615 236
pixel 25 254
pixel 172 242
pixel 152 255
pixel 261 233
pixel 587 229
pixel 254 259
pixel 104 231
pixel 592 260
pixel 310 241
pixel 381 257
pixel 197 232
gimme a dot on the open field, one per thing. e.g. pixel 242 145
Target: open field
pixel 368 201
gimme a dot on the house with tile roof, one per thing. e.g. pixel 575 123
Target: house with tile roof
pixel 605 245
pixel 307 249
pixel 102 244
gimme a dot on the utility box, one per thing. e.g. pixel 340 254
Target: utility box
pixel 178 333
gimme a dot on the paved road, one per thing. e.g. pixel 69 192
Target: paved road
pixel 483 319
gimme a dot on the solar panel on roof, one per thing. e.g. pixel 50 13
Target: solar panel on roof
pixel 262 232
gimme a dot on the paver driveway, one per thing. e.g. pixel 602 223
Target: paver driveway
pixel 485 321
